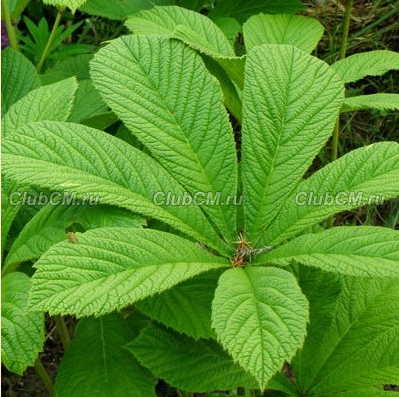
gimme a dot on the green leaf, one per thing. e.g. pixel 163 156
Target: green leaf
pixel 194 29
pixel 187 364
pixel 96 362
pixel 290 105
pixel 322 290
pixel 194 143
pixel 120 9
pixel 77 66
pixel 50 102
pixel 367 251
pixel 360 342
pixel 260 317
pixel 49 225
pixel 88 103
pixel 243 10
pixel 110 268
pixel 8 211
pixel 185 307
pixel 337 187
pixel 100 165
pixel 18 77
pixel 282 29
pixel 72 4
pixel 372 101
pixel 230 28
pixel 22 332
pixel 372 63
pixel 370 392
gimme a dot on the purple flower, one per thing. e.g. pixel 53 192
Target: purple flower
pixel 4 37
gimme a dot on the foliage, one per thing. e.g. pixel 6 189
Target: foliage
pixel 201 289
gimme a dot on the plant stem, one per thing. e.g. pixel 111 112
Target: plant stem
pixel 345 33
pixel 50 39
pixel 19 8
pixel 342 53
pixel 62 331
pixel 12 36
pixel 44 376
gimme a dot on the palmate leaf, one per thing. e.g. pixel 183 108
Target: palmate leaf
pixel 74 158
pixel 22 332
pixel 18 77
pixel 194 143
pixel 297 30
pixel 358 178
pixel 50 102
pixel 243 10
pixel 361 341
pixel 110 268
pixel 260 316
pixel 290 104
pixel 49 226
pixel 372 63
pixel 187 364
pixel 96 362
pixel 186 307
pixel 372 101
pixel 367 251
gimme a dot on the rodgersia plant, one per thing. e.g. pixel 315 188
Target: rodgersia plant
pixel 224 295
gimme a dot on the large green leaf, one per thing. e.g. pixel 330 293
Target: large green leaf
pixel 291 102
pixel 260 317
pixel 119 9
pixel 97 364
pixel 18 77
pixel 360 342
pixel 181 119
pixel 22 332
pixel 282 29
pixel 361 177
pixel 185 307
pixel 187 364
pixel 372 101
pixel 243 10
pixel 49 226
pixel 68 157
pixel 367 251
pixel 110 268
pixel 194 29
pixel 50 102
pixel 372 63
